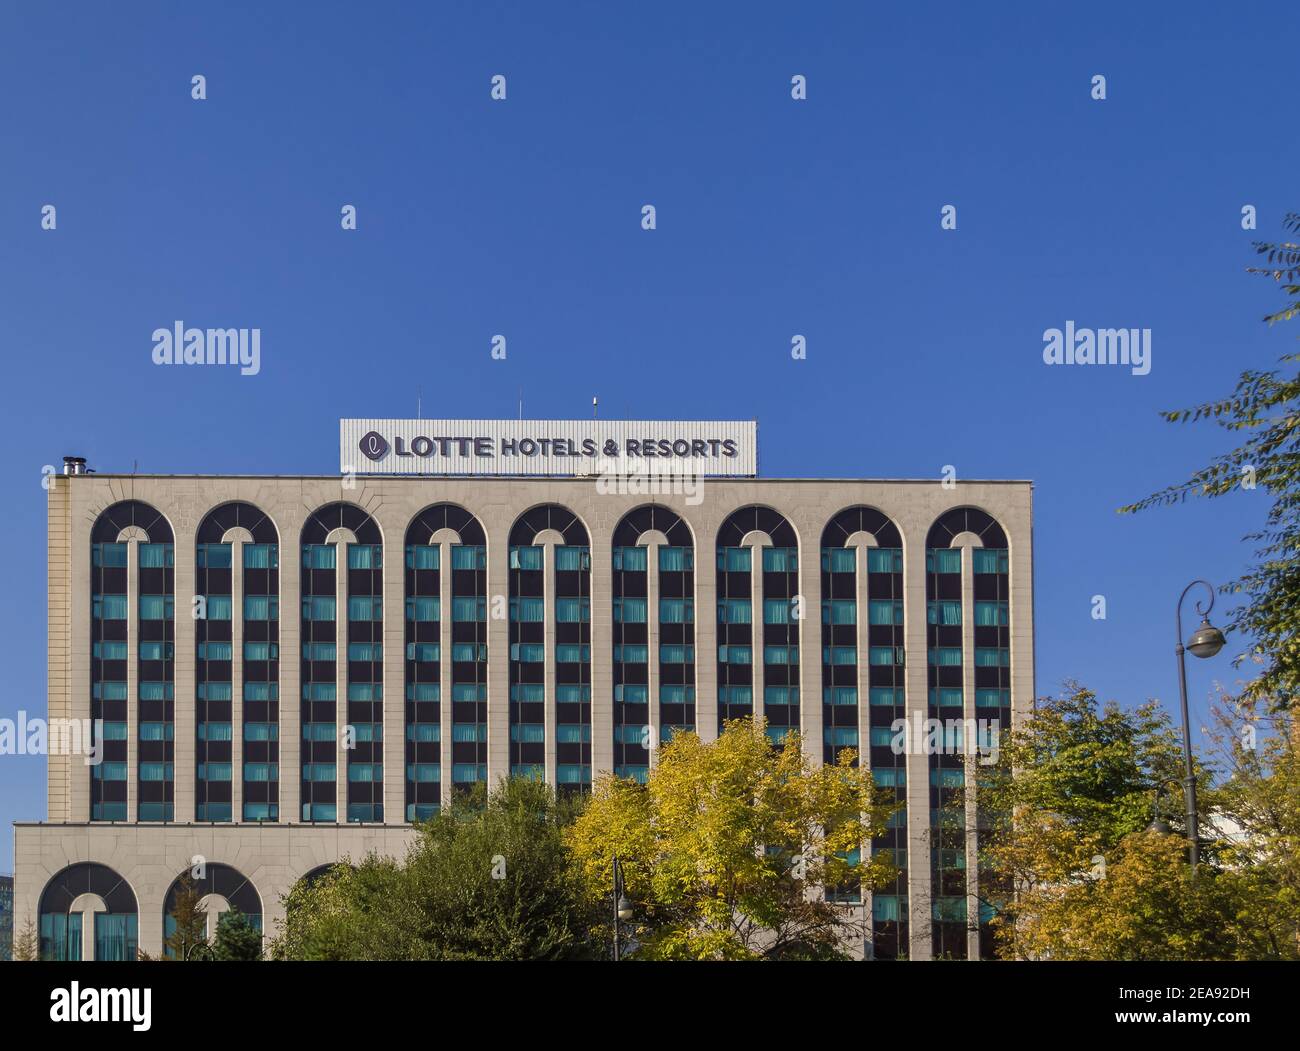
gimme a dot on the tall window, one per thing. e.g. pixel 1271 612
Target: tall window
pixel 758 626
pixel 356 552
pixel 550 539
pixel 960 533
pixel 111 923
pixel 457 635
pixel 237 541
pixel 653 588
pixel 862 684
pixel 132 539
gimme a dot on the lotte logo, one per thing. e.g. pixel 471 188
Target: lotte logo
pixel 374 445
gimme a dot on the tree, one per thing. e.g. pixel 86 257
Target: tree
pixel 27 946
pixel 727 849
pixel 236 938
pixel 189 938
pixel 1265 409
pixel 489 878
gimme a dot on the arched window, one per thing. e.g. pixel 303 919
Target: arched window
pixel 446 631
pixel 550 599
pixel 219 888
pixel 237 668
pixel 961 540
pixel 654 634
pixel 758 619
pixel 863 684
pixel 342 652
pixel 88 912
pixel 132 585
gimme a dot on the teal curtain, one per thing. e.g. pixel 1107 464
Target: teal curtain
pixel 467 609
pixel 886 696
pixel 946 697
pixel 261 651
pixel 214 556
pixel 847 695
pixel 735 611
pixel 631 559
pixel 572 694
pixel 157 691
pixel 318 556
pixel 215 732
pixel 366 607
pixel 571 653
pixel 109 607
pixel 885 908
pixel 839 611
pixel 990 658
pixel 632 654
pixel 159 607
pixel 945 613
pixel 421 608
pixel 156 556
pixel 992 698
pixel 533 692
pixel 577 610
pixel 60 936
pixel 674 654
pixel 528 733
pixel 943 560
pixel 528 610
pixel 839 560
pixel 525 558
pixel 946 656
pixel 990 560
pixel 884 611
pixel 365 556
pixel 318 607
pixel 676 611
pixel 528 652
pixel 468 556
pixel 991 614
pixel 736 654
pixel 780 654
pixel 676 559
pixel 780 559
pixel 632 693
pixel 839 656
pixel 261 556
pixel 734 559
pixel 676 694
pixel 108 555
pixel 884 560
pixel 468 691
pixel 424 556
pixel 261 607
pixel 432 732
pixel 568 558
pixel 468 732
pixel 776 611
pixel 886 655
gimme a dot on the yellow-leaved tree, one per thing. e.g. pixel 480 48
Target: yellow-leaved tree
pixel 728 848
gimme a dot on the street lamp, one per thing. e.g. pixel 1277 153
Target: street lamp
pixel 1158 824
pixel 1206 641
pixel 622 907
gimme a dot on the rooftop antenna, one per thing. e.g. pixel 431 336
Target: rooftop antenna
pixel 593 407
pixel 521 403
pixel 419 404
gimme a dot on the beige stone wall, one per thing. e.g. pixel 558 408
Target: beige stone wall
pixel 281 853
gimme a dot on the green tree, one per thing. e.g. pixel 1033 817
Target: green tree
pixel 27 945
pixel 189 938
pixel 728 846
pixel 236 938
pixel 489 878
pixel 1263 413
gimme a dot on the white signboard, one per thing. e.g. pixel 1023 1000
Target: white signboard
pixel 548 447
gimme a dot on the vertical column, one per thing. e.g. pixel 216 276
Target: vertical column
pixel 706 633
pixel 652 645
pixel 970 746
pixel 236 679
pixel 66 799
pixel 757 666
pixel 811 721
pixel 918 773
pixel 498 649
pixel 444 670
pixel 602 650
pixel 184 744
pixel 290 706
pixel 549 613
pixel 394 709
pixel 863 670
pixel 132 676
pixel 340 680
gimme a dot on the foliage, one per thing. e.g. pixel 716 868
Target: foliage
pixel 189 941
pixel 1264 409
pixel 487 879
pixel 726 848
pixel 27 945
pixel 236 938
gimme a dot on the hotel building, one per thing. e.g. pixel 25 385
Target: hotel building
pixel 289 671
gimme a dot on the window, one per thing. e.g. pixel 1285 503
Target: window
pixel 568 693
pixel 780 654
pixel 319 732
pixel 468 691
pixel 108 607
pixel 839 611
pixel 215 732
pixel 109 651
pixel 571 558
pixel 572 774
pixel 992 698
pixel 735 611
pixel 947 778
pixel 990 560
pixel 780 695
pixel 676 611
pixel 468 609
pixel 214 771
pixel 365 691
pixel 629 610
pixel 570 653
pixel 261 607
pixel 676 694
pixel 741 695
pixel 632 693
pixel 423 608
pixel 884 560
pixel 156 691
pixel 674 654
pixel 526 558
pixel 476 732
pixel 887 696
pixel 423 651
pixel 944 612
pixel 468 556
pixel 318 556
pixel 365 556
pixel 990 658
pixel 884 612
pixel 217 607
pixel 531 692
pixel 943 560
pixel 676 559
pixel 365 651
pixel 317 771
pixel 573 733
pixel 155 651
pixel 261 651
pixel 630 558
pixel 841 736
pixel 468 652
pixel 156 556
pixel 261 691
pixel 261 771
pixel 780 560
pixel 839 560
pixel 156 731
pixel 156 607
pixel 528 610
pixel 632 654
pixel 424 773
pixel 734 559
pixel 422 556
pixel 574 610
pixel 946 656
pixel 882 656
pixel 991 614
pixel 215 691
pixel 840 695
pixel 426 732
pixel 261 556
pixel 777 610
pixel 839 655
pixel 946 697
pixel 528 652
pixel 360 772
pixel 466 773
pixel 528 733
pixel 318 607
pixel 370 607
pixel 261 732
pixel 108 555
pixel 889 776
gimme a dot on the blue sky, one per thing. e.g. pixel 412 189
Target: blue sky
pixel 775 217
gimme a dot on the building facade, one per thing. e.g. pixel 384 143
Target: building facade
pixel 286 672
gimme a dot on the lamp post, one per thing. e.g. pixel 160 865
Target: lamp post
pixel 1158 824
pixel 1206 641
pixel 622 907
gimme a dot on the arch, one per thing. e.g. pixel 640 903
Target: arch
pixel 549 516
pixel 655 517
pixel 760 518
pixel 73 892
pixel 435 517
pixel 341 515
pixel 865 519
pixel 127 513
pixel 219 882
pixel 237 514
pixel 951 524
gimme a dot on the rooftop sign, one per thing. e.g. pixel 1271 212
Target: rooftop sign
pixel 548 447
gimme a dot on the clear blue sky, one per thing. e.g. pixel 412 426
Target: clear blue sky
pixel 775 217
